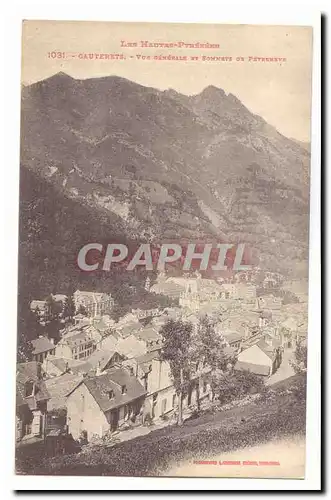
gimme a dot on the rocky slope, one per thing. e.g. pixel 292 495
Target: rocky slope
pixel 157 166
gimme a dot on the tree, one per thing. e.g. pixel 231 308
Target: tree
pixel 53 308
pixel 53 324
pixel 238 384
pixel 28 321
pixel 24 349
pixel 299 363
pixel 69 307
pixel 208 348
pixel 176 350
pixel 82 310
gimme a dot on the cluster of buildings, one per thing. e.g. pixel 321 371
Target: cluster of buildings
pixel 106 375
pixel 85 303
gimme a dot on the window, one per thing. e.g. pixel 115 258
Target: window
pixel 29 389
pixel 204 386
pixel 174 400
pixel 111 394
pixel 28 428
pixel 163 406
pixel 124 389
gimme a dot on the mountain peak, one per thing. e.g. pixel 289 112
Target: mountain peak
pixel 60 77
pixel 62 74
pixel 212 91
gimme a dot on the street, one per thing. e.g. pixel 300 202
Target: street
pixel 284 371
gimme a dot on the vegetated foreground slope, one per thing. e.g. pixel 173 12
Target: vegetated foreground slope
pixel 281 414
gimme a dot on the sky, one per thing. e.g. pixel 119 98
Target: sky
pixel 279 91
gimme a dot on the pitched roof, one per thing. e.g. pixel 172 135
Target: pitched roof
pixel 59 297
pixel 148 334
pixel 114 380
pixel 130 347
pixel 63 364
pixel 144 361
pixel 77 338
pixel 132 327
pixel 41 304
pixel 42 344
pixel 229 351
pixel 168 288
pixel 109 343
pixel 28 371
pixel 266 348
pixel 252 367
pixel 233 337
pixel 101 325
pixel 100 356
pixel 59 387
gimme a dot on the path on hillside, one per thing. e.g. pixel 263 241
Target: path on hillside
pixel 284 371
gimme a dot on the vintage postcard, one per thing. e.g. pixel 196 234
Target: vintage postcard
pixel 163 250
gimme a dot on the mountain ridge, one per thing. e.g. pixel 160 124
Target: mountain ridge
pixel 167 166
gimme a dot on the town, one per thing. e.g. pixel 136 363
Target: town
pixel 100 378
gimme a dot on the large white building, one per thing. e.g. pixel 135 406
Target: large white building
pixel 95 304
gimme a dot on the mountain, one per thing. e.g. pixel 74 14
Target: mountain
pixel 134 162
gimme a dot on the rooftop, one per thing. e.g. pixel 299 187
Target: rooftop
pixel 100 358
pixel 266 348
pixel 59 387
pixel 114 380
pixel 233 337
pixel 253 368
pixel 42 344
pixel 148 334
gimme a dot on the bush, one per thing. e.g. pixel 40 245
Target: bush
pixel 238 384
pixel 148 420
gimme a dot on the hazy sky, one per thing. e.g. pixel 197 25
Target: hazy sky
pixel 278 91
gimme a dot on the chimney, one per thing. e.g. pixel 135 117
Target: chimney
pixel 51 340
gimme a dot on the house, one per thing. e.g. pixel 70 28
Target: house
pixel 61 300
pixel 59 387
pixel 151 338
pixel 42 347
pixel 262 358
pixel 168 288
pixel 109 343
pixel 31 402
pixel 95 304
pixel 126 329
pixel 78 342
pixel 233 339
pixel 41 309
pixel 101 360
pixel 103 403
pixel 147 313
pixel 54 366
pixel 130 347
pixel 155 376
pixel 294 330
pixel 271 302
